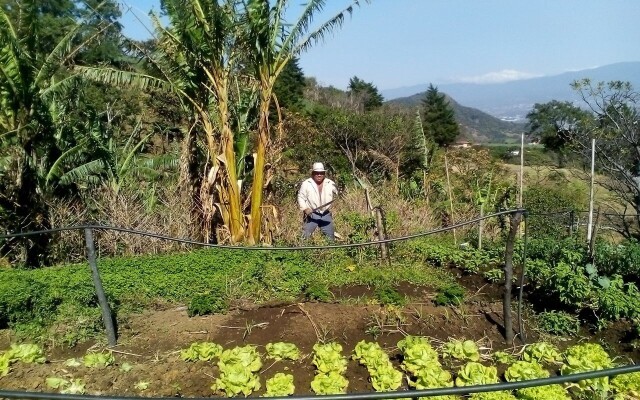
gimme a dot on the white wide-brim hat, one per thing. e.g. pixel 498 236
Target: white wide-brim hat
pixel 318 167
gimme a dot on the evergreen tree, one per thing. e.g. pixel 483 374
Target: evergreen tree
pixel 365 92
pixel 289 87
pixel 439 118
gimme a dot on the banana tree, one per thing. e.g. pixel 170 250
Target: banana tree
pixel 33 91
pixel 273 43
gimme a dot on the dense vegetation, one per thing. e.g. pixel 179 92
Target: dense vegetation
pixel 206 130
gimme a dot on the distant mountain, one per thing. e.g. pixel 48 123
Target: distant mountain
pixel 476 126
pixel 513 100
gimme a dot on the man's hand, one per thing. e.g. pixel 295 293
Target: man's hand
pixel 307 212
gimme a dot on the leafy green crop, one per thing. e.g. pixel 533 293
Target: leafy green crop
pixel 330 365
pixel 328 358
pixel 73 386
pixel 201 351
pixel 467 350
pixel 627 384
pixel 499 395
pixel 549 392
pixel 238 367
pixel 5 362
pixel 474 373
pixel 280 385
pixel 235 379
pixel 27 353
pixel 331 383
pixel 98 360
pixel 418 354
pixel 587 357
pixel 524 371
pixel 247 356
pixel 503 357
pixel 283 351
pixel 541 352
pixel 384 377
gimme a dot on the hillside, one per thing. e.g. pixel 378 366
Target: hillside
pixel 477 126
pixel 515 99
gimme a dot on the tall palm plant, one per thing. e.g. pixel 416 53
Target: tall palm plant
pixel 272 43
pixel 208 47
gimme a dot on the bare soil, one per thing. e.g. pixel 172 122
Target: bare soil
pixel 151 342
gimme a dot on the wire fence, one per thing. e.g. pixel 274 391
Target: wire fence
pixel 112 340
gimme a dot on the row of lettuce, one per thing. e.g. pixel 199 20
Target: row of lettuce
pixel 559 273
pixel 423 365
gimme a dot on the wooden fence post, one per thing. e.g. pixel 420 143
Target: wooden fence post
pixel 508 276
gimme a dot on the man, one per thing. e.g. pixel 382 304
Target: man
pixel 314 198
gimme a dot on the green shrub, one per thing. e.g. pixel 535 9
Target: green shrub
pixel 212 302
pixel 558 323
pixel 318 291
pixel 388 295
pixel 450 295
pixel 541 199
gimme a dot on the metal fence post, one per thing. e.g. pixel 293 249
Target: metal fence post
pixel 107 318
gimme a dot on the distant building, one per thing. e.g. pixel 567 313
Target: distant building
pixel 462 144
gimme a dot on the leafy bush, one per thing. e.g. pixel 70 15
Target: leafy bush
pixel 558 323
pixel 450 295
pixel 387 295
pixel 318 291
pixel 212 302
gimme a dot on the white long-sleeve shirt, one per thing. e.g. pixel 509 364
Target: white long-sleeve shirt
pixel 310 197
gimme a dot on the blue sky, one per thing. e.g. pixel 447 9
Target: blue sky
pixel 395 43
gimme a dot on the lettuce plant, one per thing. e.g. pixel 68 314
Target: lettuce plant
pixel 384 377
pixel 5 362
pixel 280 385
pixel 467 350
pixel 499 395
pixel 330 365
pixel 98 360
pixel 247 356
pixel 541 352
pixel 328 358
pixel 204 351
pixel 283 351
pixel 73 386
pixel 524 371
pixel 587 357
pixel 474 373
pixel 235 379
pixel 418 354
pixel 331 383
pixel 503 357
pixel 627 384
pixel 238 367
pixel 549 392
pixel 27 353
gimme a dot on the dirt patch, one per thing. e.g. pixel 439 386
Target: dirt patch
pixel 151 342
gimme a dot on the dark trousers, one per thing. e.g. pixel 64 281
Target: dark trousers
pixel 324 221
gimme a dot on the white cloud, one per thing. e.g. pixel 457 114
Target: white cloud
pixel 506 75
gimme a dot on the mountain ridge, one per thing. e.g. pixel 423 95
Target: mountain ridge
pixel 514 99
pixel 475 125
